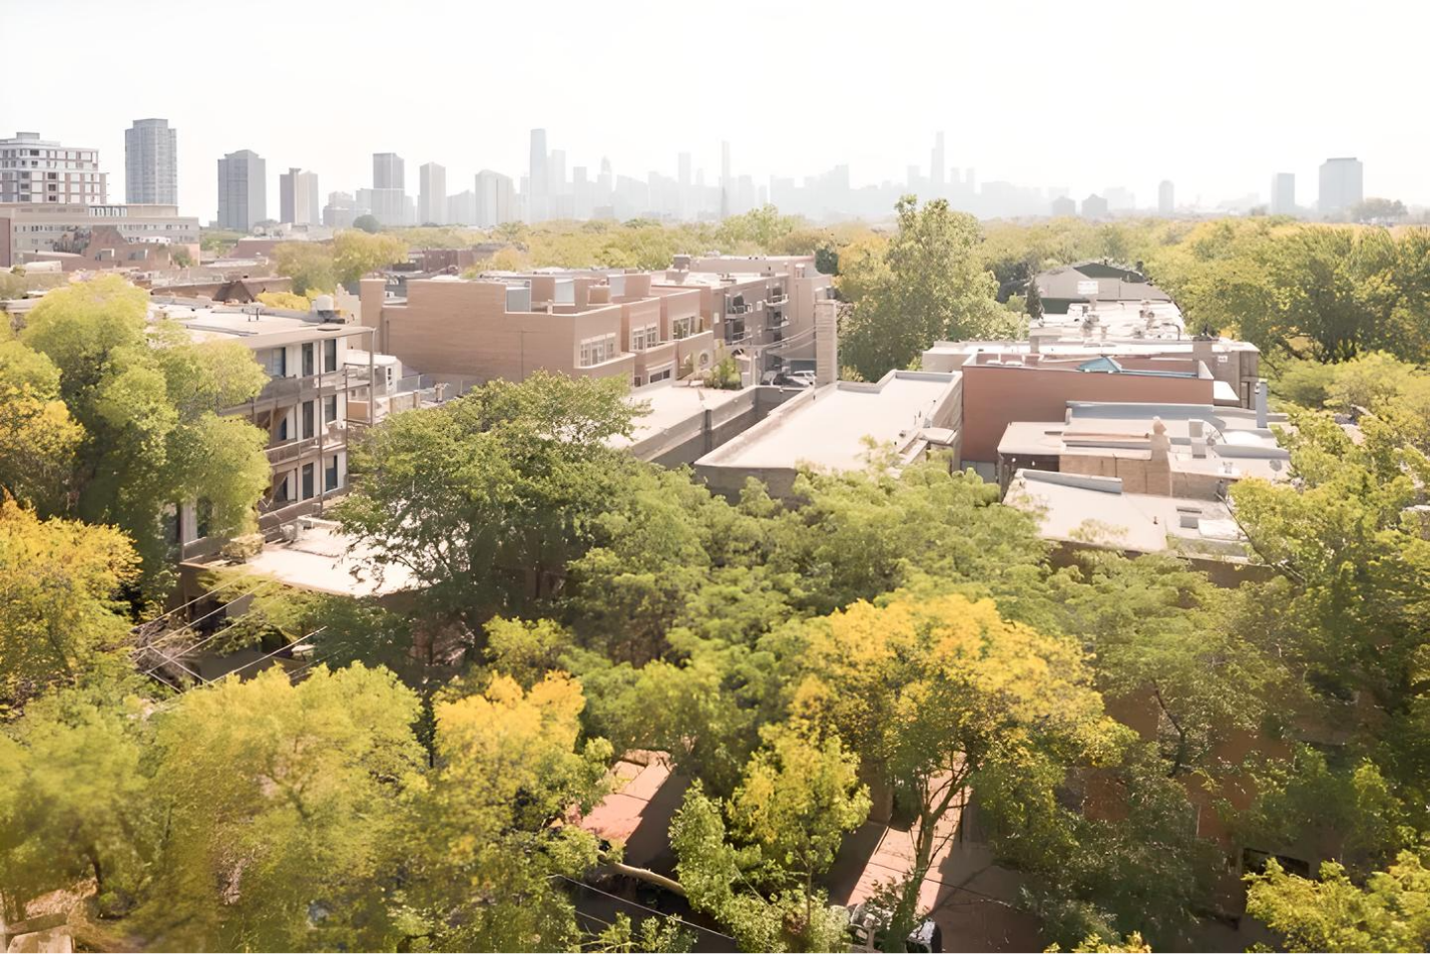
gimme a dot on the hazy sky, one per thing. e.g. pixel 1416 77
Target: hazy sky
pixel 1214 96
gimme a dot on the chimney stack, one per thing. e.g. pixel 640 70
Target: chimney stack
pixel 1159 468
pixel 826 341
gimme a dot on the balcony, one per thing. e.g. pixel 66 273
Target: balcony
pixel 291 387
pixel 736 308
pixel 778 321
pixel 329 438
pixel 733 336
pixel 778 298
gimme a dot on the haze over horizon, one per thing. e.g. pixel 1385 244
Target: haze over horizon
pixel 1037 94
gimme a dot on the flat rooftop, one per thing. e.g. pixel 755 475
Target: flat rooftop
pixel 1096 512
pixel 669 405
pixel 827 427
pixel 323 559
pixel 261 329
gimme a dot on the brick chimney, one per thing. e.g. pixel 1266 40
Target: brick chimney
pixel 826 341
pixel 1159 468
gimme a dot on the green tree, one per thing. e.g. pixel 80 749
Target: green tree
pixel 147 397
pixel 487 498
pixel 929 284
pixel 309 264
pixel 59 615
pixel 367 223
pixel 356 253
pixel 281 804
pixel 38 438
pixel 933 691
pixel 1390 914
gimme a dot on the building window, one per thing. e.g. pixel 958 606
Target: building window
pixel 330 409
pixel 645 338
pixel 308 367
pixel 275 361
pixel 596 350
pixel 330 355
pixel 308 481
pixel 308 424
pixel 660 376
pixel 330 474
pixel 683 328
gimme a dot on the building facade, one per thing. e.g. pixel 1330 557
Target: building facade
pixel 242 190
pixel 1166 198
pixel 431 194
pixel 496 199
pixel 1342 186
pixel 36 230
pixel 34 170
pixel 151 163
pixel 298 198
pixel 1283 194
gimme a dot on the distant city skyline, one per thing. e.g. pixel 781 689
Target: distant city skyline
pixel 1218 136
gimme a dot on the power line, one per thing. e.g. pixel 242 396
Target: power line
pixel 642 906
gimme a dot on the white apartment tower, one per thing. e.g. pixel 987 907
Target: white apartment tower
pixel 35 170
pixel 432 194
pixel 151 163
pixel 298 198
pixel 1283 194
pixel 242 190
pixel 1166 198
pixel 389 189
pixel 496 199
pixel 1342 185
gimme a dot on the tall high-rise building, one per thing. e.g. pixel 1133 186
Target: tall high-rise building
pixel 938 166
pixel 1342 185
pixel 432 194
pixel 538 178
pixel 389 189
pixel 151 163
pixel 387 171
pixel 242 190
pixel 725 184
pixel 462 208
pixel 1283 194
pixel 298 198
pixel 496 199
pixel 39 170
pixel 1166 198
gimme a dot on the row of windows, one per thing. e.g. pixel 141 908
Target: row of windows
pixel 596 350
pixel 286 489
pixel 275 361
pixel 644 338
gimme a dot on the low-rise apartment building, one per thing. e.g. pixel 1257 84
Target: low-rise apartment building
pixel 304 406
pixel 29 230
pixel 759 306
pixel 466 332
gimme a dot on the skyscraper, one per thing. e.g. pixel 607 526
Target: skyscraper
pixel 432 194
pixel 1342 185
pixel 151 163
pixel 389 189
pixel 387 171
pixel 1283 194
pixel 496 200
pixel 938 166
pixel 725 184
pixel 538 178
pixel 298 198
pixel 242 190
pixel 1166 198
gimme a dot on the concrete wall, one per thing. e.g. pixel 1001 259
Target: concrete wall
pixel 701 434
pixel 460 332
pixel 994 396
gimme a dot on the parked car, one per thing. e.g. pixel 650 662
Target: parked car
pixel 786 379
pixel 866 932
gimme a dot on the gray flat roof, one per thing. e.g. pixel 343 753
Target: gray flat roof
pixel 826 427
pixel 1096 512
pixel 670 404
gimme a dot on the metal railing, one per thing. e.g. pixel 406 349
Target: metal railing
pixel 331 436
pixel 779 298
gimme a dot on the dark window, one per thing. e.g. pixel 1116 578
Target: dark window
pixel 330 355
pixel 308 367
pixel 282 434
pixel 308 482
pixel 330 409
pixel 203 517
pixel 308 425
pixel 330 478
